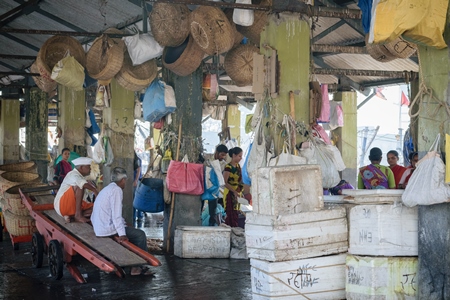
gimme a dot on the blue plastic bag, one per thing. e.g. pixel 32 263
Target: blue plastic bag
pixel 212 192
pixel 245 177
pixel 154 105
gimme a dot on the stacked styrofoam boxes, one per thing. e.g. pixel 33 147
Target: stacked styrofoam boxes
pixel 383 247
pixel 202 242
pixel 293 244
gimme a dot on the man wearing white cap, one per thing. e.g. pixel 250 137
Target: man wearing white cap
pixel 69 200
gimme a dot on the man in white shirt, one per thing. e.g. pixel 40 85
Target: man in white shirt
pixel 69 201
pixel 107 217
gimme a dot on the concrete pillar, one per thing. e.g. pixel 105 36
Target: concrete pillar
pixel 434 220
pixel 72 119
pixel 118 125
pixel 188 92
pixel 9 131
pixel 37 129
pixel 347 141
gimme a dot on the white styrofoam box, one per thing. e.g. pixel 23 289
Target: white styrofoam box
pixel 287 189
pixel 373 278
pixel 337 201
pixel 296 236
pixel 373 196
pixel 202 242
pixel 313 278
pixel 383 230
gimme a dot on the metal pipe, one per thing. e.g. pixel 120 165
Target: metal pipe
pixel 215 4
pixel 376 73
pixel 59 32
pixel 12 56
pixel 19 73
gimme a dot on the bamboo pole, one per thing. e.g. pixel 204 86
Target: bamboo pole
pixel 172 202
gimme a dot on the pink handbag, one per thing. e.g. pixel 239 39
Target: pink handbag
pixel 185 178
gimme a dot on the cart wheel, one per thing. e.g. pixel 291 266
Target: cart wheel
pixel 55 259
pixel 16 246
pixel 37 250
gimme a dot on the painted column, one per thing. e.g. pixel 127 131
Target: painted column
pixel 233 117
pixel 9 131
pixel 434 220
pixel 188 92
pixel 37 129
pixel 347 136
pixel 118 125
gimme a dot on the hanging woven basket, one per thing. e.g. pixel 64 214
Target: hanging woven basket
pixel 253 32
pixel 19 225
pixel 44 82
pixel 13 202
pixel 238 37
pixel 211 30
pixel 239 64
pixel 184 59
pixel 25 166
pixel 135 78
pixel 56 47
pixel 105 57
pixel 379 52
pixel 169 23
pixel 401 48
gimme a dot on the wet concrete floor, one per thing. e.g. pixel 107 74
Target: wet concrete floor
pixel 177 278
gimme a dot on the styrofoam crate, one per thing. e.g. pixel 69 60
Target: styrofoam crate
pixel 287 189
pixel 313 278
pixel 373 278
pixel 296 236
pixel 373 196
pixel 383 230
pixel 202 242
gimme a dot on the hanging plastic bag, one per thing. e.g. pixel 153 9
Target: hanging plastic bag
pixel 137 109
pixel 69 72
pixel 243 17
pixel 324 116
pixel 98 154
pixel 169 98
pixel 109 157
pixel 211 185
pixel 165 162
pixel 159 124
pixel 215 164
pixel 142 47
pixel 185 178
pixel 325 158
pixel 319 132
pixel 245 176
pixel 154 104
pixel 336 116
pixel 287 159
pixel 258 154
pixel 427 184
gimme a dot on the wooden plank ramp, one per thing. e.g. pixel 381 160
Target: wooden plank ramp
pixel 105 246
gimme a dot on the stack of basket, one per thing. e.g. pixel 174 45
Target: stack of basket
pixel 296 249
pixel 17 218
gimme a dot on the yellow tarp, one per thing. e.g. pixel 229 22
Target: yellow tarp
pixel 421 21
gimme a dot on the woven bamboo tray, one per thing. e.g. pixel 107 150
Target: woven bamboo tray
pixel 239 64
pixel 184 59
pixel 25 166
pixel 10 179
pixel 19 225
pixel 169 23
pixel 13 202
pixel 135 78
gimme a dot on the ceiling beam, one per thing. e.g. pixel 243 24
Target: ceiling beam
pixel 59 32
pixel 12 56
pixel 139 3
pixel 327 31
pixel 9 67
pixel 17 12
pixel 366 73
pixel 356 25
pixel 338 49
pixel 19 73
pixel 19 41
pixel 387 82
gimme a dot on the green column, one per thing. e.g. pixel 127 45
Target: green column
pixel 9 130
pixel 346 135
pixel 37 129
pixel 72 119
pixel 188 92
pixel 118 125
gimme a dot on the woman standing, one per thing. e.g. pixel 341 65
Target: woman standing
pixel 63 167
pixel 233 186
pixel 392 158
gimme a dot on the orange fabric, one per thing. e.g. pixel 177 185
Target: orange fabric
pixel 67 204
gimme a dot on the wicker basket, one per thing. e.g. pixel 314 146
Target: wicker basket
pixel 25 166
pixel 19 225
pixel 105 57
pixel 56 47
pixel 211 30
pixel 169 23
pixel 379 52
pixel 10 179
pixel 135 78
pixel 13 202
pixel 401 48
pixel 238 37
pixel 44 82
pixel 184 59
pixel 239 64
pixel 253 32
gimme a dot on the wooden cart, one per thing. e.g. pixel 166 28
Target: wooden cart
pixel 61 241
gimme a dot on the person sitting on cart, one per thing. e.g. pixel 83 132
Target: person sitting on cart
pixel 107 217
pixel 69 201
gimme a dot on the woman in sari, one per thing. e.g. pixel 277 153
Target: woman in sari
pixel 63 167
pixel 233 186
pixel 414 159
pixel 392 159
pixel 375 176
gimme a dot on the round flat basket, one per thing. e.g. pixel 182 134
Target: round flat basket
pixel 239 64
pixel 105 57
pixel 184 59
pixel 401 48
pixel 169 23
pixel 13 202
pixel 19 225
pixel 211 30
pixel 10 179
pixel 135 78
pixel 25 166
pixel 379 52
pixel 253 32
pixel 44 82
pixel 56 47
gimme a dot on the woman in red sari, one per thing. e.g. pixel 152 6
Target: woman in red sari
pixel 414 159
pixel 392 158
pixel 63 167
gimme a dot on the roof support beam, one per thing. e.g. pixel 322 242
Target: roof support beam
pixel 375 73
pixel 338 49
pixel 4 31
pixel 388 82
pixel 17 40
pixel 327 31
pixel 20 73
pixel 356 25
pixel 17 12
pixel 12 56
